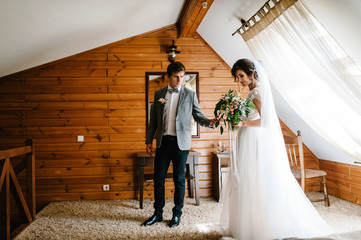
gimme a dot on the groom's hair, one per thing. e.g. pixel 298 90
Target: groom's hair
pixel 175 67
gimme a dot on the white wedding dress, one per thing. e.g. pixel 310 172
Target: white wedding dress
pixel 261 198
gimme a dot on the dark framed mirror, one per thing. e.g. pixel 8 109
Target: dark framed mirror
pixel 157 80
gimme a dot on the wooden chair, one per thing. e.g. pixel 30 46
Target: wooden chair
pixel 294 148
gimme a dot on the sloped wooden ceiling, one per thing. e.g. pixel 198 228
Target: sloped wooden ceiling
pixel 191 16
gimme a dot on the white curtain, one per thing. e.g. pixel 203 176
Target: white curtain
pixel 314 75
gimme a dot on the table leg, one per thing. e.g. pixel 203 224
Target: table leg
pixel 196 178
pixel 191 173
pixel 141 182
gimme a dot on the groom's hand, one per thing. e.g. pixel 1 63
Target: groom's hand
pixel 213 122
pixel 149 149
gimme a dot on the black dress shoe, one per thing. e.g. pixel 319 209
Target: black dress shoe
pixel 174 222
pixel 153 219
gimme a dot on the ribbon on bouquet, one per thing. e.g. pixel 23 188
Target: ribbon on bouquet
pixel 234 164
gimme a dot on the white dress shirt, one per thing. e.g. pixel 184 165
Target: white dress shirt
pixel 170 112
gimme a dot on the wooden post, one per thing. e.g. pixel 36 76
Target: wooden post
pixel 30 178
pixel 5 201
pixel 302 161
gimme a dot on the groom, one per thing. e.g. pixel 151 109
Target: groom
pixel 170 122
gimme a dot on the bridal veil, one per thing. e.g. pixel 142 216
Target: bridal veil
pixel 262 199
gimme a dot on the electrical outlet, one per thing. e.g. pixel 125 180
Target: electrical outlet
pixel 80 138
pixel 106 187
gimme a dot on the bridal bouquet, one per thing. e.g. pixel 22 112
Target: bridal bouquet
pixel 231 108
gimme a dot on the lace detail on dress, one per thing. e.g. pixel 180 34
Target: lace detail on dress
pixel 256 94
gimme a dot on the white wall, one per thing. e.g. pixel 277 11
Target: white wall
pixel 340 18
pixel 41 31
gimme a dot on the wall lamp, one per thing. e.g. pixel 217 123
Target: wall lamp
pixel 172 51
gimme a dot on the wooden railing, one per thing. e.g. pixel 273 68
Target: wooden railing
pixel 9 183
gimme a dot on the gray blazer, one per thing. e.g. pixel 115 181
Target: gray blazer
pixel 188 106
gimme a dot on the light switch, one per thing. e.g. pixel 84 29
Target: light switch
pixel 80 138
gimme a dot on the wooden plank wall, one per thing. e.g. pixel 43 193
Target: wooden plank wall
pixel 343 180
pixel 100 94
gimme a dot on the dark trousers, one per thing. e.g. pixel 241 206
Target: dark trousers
pixel 169 151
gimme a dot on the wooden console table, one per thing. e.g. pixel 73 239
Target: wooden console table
pixel 192 174
pixel 220 172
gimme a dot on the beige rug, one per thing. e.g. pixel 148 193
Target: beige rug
pixel 121 219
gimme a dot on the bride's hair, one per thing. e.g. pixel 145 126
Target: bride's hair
pixel 245 65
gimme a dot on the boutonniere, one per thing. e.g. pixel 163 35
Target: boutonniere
pixel 162 101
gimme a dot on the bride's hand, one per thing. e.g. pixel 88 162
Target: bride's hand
pixel 240 124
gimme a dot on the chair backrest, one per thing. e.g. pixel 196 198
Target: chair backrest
pixel 294 148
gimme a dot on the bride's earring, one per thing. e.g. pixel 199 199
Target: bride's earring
pixel 240 86
pixel 254 81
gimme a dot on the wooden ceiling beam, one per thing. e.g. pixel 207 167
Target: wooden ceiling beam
pixel 191 16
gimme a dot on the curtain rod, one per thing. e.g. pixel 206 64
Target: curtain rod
pixel 260 13
pixel 244 24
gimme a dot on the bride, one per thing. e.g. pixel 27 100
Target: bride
pixel 262 199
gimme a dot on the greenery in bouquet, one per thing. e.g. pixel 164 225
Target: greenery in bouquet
pixel 232 108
